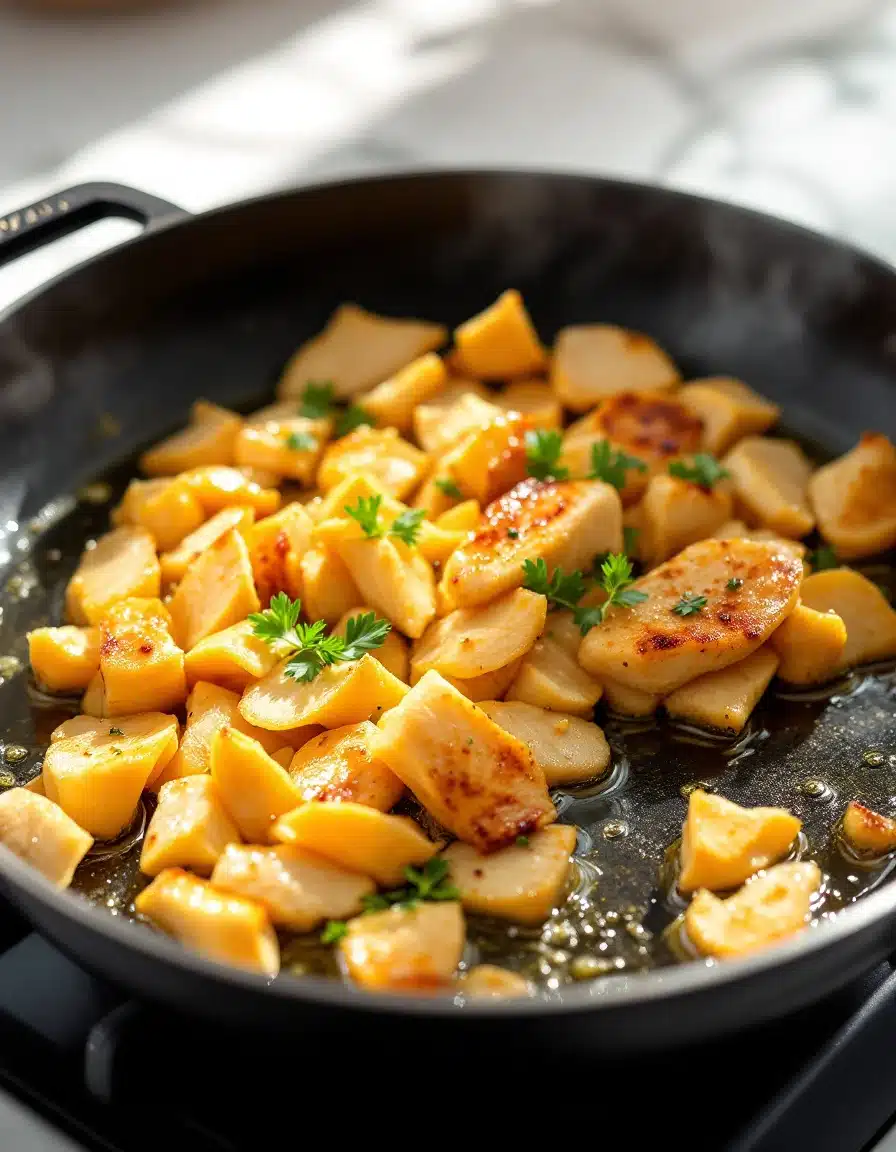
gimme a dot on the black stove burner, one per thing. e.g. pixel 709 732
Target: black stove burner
pixel 84 1069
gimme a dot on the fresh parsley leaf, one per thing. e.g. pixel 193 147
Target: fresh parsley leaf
pixel 317 399
pixel 407 525
pixel 610 465
pixel 522 841
pixel 447 485
pixel 823 557
pixel 367 513
pixel 543 450
pixel 734 584
pixel 513 534
pixel 333 932
pixel 562 589
pixel 630 538
pixel 704 471
pixel 690 605
pixel 116 732
pixel 362 634
pixel 312 649
pixel 615 579
pixel 301 442
pixel 351 418
pixel 429 883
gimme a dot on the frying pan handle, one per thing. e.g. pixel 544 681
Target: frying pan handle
pixel 30 228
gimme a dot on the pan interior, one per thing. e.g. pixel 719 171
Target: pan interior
pixel 113 358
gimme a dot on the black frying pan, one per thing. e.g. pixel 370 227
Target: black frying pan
pixel 213 305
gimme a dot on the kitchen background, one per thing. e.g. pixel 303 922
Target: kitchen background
pixel 788 107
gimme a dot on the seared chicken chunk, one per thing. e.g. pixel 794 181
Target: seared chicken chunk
pixel 40 833
pixel 567 524
pixel 868 616
pixel 868 831
pixel 854 498
pixel 566 748
pixel 405 949
pixel 595 361
pixel 476 779
pixel 655 648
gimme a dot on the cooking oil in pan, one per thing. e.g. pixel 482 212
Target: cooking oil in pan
pixel 810 752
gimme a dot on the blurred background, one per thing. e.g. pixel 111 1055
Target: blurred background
pixel 786 106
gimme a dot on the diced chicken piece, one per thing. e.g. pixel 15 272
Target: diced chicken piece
pixel 393 653
pixel 624 700
pixel 488 686
pixel 488 980
pixel 141 667
pixel 772 906
pixel 339 765
pixel 392 576
pixel 655 649
pixel 276 547
pixel 405 949
pixel 357 838
pixel 167 509
pixel 297 888
pixel 174 564
pixel 122 564
pixel 595 361
pixel 566 748
pixel 328 590
pixel 190 828
pixel 723 700
pixel 472 641
pixel 222 926
pixel 500 342
pixel 217 591
pixel 95 770
pixel 207 439
pixel 490 460
pixel 729 410
pixel 462 517
pixel 392 402
pixel 38 831
pixel 253 787
pixel 868 831
pixel 675 513
pixel 723 844
pixel 395 463
pixel 869 619
pixel 64 659
pixel 771 480
pixel 218 487
pixel 535 399
pixel 289 447
pixel 445 419
pixel 854 498
pixel 341 694
pixel 560 626
pixel 810 646
pixel 651 427
pixel 209 709
pixel 523 882
pixel 475 778
pixel 357 350
pixel 549 677
pixel 566 523
pixel 232 658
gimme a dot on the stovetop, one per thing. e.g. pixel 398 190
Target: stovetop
pixel 82 1069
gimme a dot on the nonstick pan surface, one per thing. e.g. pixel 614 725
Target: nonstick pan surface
pixel 110 356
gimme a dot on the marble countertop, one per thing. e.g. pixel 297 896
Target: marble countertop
pixel 790 108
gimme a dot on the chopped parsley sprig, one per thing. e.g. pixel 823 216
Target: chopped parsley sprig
pixel 318 401
pixel 566 589
pixel 366 512
pixel 312 649
pixel 448 487
pixel 544 447
pixel 704 471
pixel 610 464
pixel 431 882
pixel 689 605
pixel 823 557
pixel 301 442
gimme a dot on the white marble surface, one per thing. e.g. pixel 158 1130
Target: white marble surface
pixel 788 107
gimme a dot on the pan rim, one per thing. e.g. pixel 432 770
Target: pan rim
pixel 639 988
